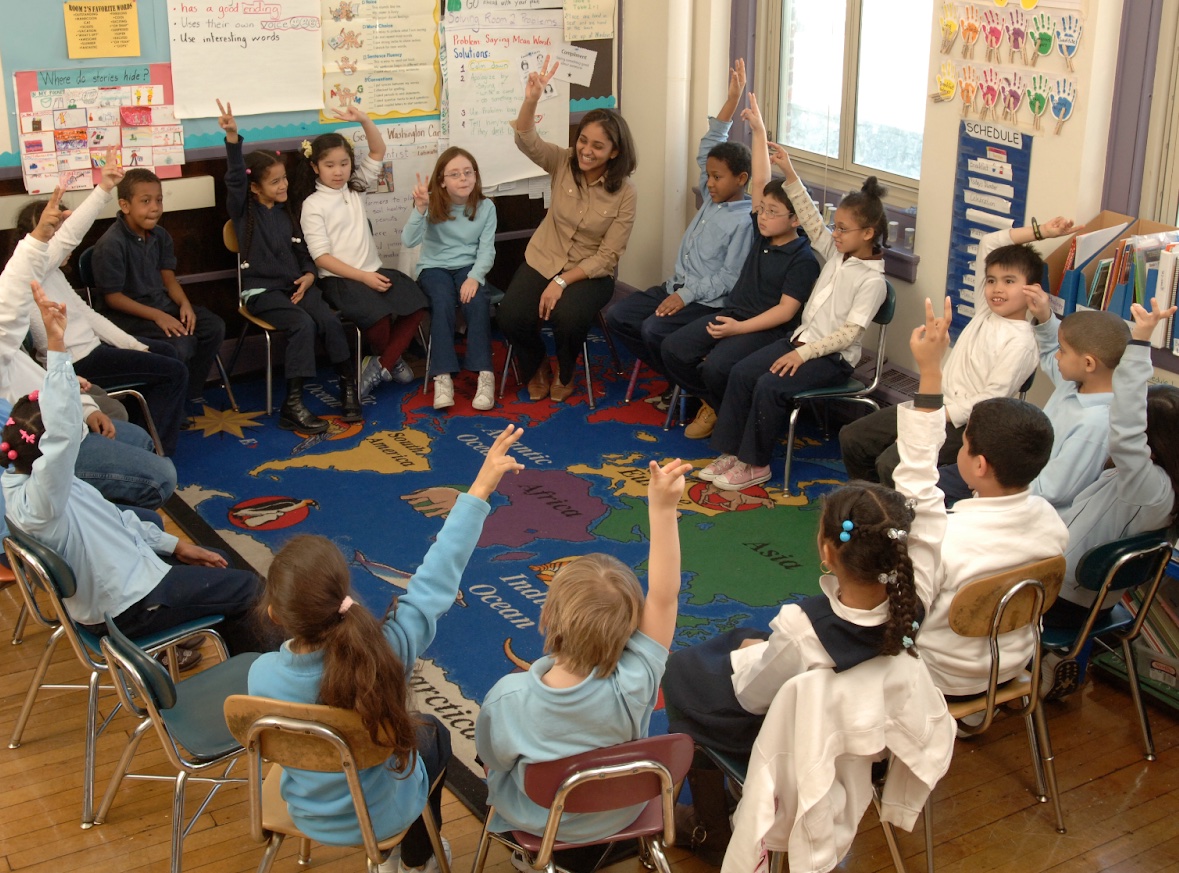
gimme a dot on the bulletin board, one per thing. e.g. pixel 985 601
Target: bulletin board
pixel 47 51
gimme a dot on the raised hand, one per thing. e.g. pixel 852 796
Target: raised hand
pixel 736 80
pixel 112 170
pixel 498 462
pixel 1055 227
pixel 1068 38
pixel 226 121
pixel 1016 28
pixel 1146 321
pixel 1063 97
pixel 1038 303
pixel 967 88
pixel 780 158
pixel 752 115
pixel 421 195
pixel 535 84
pixel 947 85
pixel 666 485
pixel 970 31
pixel 949 24
pixel 51 218
pixel 1037 94
pixel 1011 95
pixel 54 317
pixel 351 112
pixel 989 91
pixel 929 341
pixel 1041 35
pixel 992 33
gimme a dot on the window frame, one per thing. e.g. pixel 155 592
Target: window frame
pixel 839 173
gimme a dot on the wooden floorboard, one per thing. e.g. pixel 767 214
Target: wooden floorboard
pixel 1121 811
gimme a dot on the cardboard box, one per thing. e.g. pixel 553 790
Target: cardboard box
pixel 1156 666
pixel 1124 225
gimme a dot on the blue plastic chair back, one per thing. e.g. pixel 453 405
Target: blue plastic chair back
pixel 1098 561
pixel 889 307
pixel 149 672
pixel 56 569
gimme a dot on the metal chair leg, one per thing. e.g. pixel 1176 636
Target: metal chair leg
pixel 634 377
pixel 790 448
pixel 1136 694
pixel 269 373
pixel 589 382
pixel 1037 764
pixel 178 821
pixel 928 816
pixel 677 398
pixel 18 632
pixel 148 422
pixel 91 749
pixel 225 382
pixel 34 687
pixel 1049 760
pixel 503 380
pixel 610 343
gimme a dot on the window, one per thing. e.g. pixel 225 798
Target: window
pixel 852 87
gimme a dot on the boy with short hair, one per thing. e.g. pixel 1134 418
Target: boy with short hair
pixel 711 252
pixel 135 271
pixel 597 684
pixel 1079 355
pixel 992 357
pixel 1005 445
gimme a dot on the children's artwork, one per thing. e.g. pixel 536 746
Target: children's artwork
pixel 137 137
pixel 135 116
pixel 1063 98
pixel 77 180
pixel 1041 36
pixel 947 84
pixel 1011 96
pixel 138 157
pixel 988 93
pixel 101 137
pixel 104 116
pixel 992 33
pixel 32 143
pixel 167 135
pixel 967 89
pixel 71 139
pixel 949 26
pixel 1038 98
pixel 35 122
pixel 969 25
pixel 168 156
pixel 39 164
pixel 98 158
pixel 1015 27
pixel 69 118
pixel 1068 38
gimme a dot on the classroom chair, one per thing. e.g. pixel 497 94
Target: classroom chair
pixel 86 275
pixel 187 717
pixel 811 774
pixel 323 739
pixel 229 238
pixel 585 360
pixel 1136 563
pixel 600 780
pixel 989 607
pixel 41 573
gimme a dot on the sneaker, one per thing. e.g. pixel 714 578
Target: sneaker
pixel 662 402
pixel 972 720
pixel 702 425
pixel 1059 677
pixel 485 391
pixel 370 375
pixel 402 373
pixel 392 863
pixel 741 476
pixel 186 659
pixel 443 391
pixel 430 866
pixel 718 467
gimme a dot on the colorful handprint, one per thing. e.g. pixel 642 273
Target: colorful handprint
pixel 970 30
pixel 1037 94
pixel 988 92
pixel 949 23
pixel 1011 96
pixel 947 84
pixel 1041 36
pixel 1068 38
pixel 1016 28
pixel 1063 97
pixel 968 88
pixel 992 33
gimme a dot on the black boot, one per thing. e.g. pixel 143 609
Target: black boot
pixel 349 396
pixel 294 415
pixel 706 822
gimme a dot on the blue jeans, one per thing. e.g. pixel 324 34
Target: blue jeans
pixel 126 469
pixel 442 287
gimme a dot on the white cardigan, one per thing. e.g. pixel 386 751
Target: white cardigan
pixel 810 775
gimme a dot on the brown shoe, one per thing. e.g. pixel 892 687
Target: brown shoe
pixel 559 393
pixel 702 425
pixel 538 385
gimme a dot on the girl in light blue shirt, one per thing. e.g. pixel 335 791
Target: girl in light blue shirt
pixel 455 223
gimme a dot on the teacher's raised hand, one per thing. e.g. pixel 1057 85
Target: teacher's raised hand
pixel 534 87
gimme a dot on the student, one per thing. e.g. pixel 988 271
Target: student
pixel 597 684
pixel 993 356
pixel 568 270
pixel 824 348
pixel 339 654
pixel 329 195
pixel 102 353
pixel 117 459
pixel 278 278
pixel 775 281
pixel 147 579
pixel 712 250
pixel 1079 355
pixel 1005 446
pixel 1137 491
pixel 455 223
pixel 135 271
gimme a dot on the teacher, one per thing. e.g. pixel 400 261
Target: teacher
pixel 568 270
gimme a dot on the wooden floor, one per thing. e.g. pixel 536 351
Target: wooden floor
pixel 1122 812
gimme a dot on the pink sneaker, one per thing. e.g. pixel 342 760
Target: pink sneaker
pixel 718 467
pixel 741 476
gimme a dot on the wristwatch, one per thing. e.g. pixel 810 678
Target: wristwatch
pixel 560 282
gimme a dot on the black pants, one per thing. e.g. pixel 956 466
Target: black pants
pixel 869 446
pixel 197 350
pixel 301 322
pixel 634 321
pixel 571 319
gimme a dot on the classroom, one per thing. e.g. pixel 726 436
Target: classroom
pixel 1055 119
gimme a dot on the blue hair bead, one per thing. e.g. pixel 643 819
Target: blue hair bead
pixel 907 642
pixel 844 537
pixel 847 526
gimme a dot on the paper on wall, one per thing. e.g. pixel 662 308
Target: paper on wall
pixel 576 64
pixel 589 19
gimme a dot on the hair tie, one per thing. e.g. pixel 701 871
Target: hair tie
pixel 248 172
pixel 345 604
pixel 907 642
pixel 296 240
pixel 916 625
pixel 897 533
pixel 30 438
pixel 306 146
pixel 888 579
pixel 10 421
pixel 34 396
pixel 12 454
pixel 848 527
pixel 277 153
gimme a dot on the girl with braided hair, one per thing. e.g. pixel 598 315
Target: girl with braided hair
pixel 278 278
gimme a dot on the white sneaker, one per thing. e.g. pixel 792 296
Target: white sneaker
pixel 717 468
pixel 370 375
pixel 402 373
pixel 485 392
pixel 430 866
pixel 443 391
pixel 390 864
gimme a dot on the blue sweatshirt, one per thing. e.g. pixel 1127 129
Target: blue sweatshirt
pixel 454 244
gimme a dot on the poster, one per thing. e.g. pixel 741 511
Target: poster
pixel 381 55
pixel 487 65
pixel 108 29
pixel 589 19
pixel 260 55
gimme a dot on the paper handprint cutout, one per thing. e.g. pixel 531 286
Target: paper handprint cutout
pixel 970 30
pixel 1068 38
pixel 1016 29
pixel 1063 98
pixel 968 88
pixel 992 34
pixel 1041 36
pixel 947 84
pixel 1037 94
pixel 949 24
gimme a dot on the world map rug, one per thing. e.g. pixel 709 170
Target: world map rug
pixel 379 491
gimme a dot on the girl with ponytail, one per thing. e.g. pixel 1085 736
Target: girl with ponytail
pixel 340 655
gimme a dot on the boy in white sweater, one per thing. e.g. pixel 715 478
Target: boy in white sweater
pixel 993 356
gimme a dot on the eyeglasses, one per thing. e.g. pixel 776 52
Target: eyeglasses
pixel 840 230
pixel 461 174
pixel 770 213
